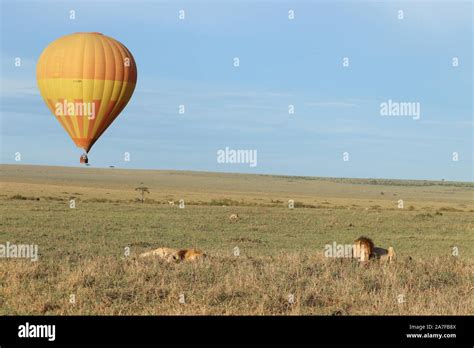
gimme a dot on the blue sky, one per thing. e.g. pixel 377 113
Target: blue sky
pixel 282 62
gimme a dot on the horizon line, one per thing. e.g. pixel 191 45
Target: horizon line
pixel 443 182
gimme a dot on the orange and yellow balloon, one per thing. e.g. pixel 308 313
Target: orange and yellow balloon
pixel 86 80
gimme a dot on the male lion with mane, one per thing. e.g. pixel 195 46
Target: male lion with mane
pixel 364 250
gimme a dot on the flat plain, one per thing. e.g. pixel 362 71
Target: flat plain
pixel 270 261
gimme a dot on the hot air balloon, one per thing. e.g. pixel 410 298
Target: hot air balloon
pixel 86 80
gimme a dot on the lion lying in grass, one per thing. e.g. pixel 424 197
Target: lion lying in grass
pixel 175 255
pixel 364 250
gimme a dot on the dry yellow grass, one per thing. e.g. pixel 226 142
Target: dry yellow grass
pixel 287 284
pixel 81 250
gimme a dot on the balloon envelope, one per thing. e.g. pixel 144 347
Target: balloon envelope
pixel 86 79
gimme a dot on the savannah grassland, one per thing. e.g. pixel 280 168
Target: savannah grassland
pixel 82 250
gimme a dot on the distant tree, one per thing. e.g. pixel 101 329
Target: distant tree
pixel 142 189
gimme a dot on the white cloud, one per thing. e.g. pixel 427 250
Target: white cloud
pixel 332 104
pixel 19 88
pixel 254 107
pixel 449 123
